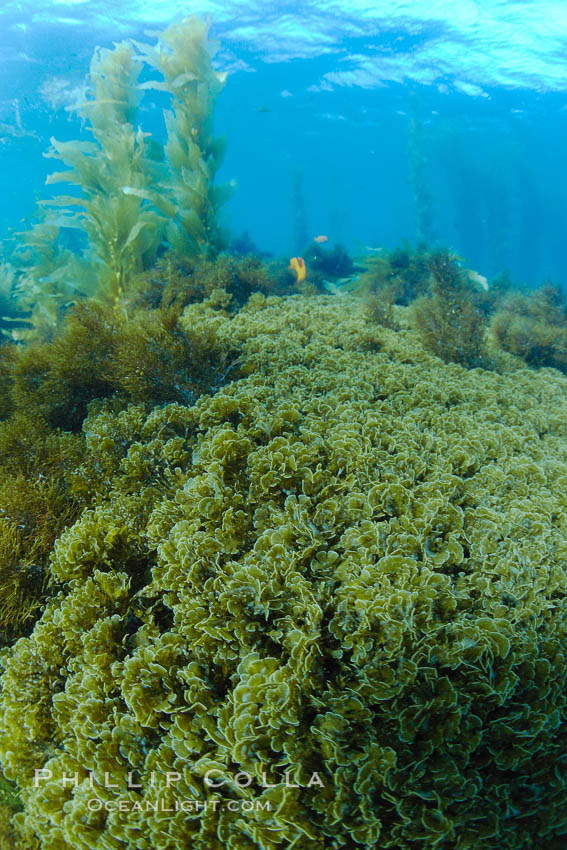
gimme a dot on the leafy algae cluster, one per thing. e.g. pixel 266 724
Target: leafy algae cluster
pixel 347 563
pixel 534 327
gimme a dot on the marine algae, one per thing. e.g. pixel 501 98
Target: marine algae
pixel 130 198
pixel 347 563
pixel 99 353
pixel 400 276
pixel 37 501
pixel 123 231
pixel 193 154
pixel 451 319
pixel 534 327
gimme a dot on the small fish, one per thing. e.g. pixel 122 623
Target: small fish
pixel 320 239
pixel 298 266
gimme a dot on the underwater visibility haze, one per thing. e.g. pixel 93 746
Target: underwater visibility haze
pixel 283 425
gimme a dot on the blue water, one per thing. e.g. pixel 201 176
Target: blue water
pixel 327 90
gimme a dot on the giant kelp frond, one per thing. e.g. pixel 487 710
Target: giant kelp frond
pixel 49 278
pixel 113 97
pixel 12 310
pixel 7 277
pixel 115 173
pixel 193 154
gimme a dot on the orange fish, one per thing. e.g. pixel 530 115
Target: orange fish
pixel 321 239
pixel 298 265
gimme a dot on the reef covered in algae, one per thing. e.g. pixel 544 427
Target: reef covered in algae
pixel 277 569
pixel 346 563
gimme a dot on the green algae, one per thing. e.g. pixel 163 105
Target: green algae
pixel 348 562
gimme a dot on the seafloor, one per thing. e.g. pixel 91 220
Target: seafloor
pixel 334 586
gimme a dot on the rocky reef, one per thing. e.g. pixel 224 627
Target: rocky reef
pixel 277 569
pixel 321 606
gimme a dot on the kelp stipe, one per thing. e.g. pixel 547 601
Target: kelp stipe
pixel 423 200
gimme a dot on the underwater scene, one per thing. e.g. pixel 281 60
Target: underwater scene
pixel 283 425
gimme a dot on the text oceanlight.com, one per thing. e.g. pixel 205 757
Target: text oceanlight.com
pixel 96 805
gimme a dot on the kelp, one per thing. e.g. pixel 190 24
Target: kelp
pixel 193 154
pixel 99 354
pixel 267 538
pixel 10 804
pixel 399 276
pixel 423 198
pixel 194 279
pixel 123 231
pixel 45 281
pixel 129 197
pixel 7 276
